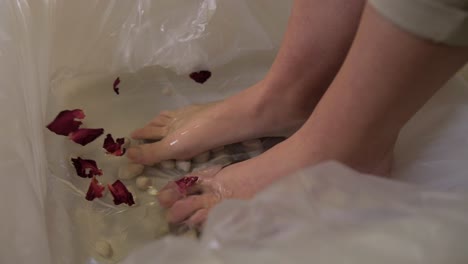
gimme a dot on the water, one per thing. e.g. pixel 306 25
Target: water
pixel 78 223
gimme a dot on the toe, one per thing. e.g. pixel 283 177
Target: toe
pixel 169 195
pixel 168 114
pixel 148 154
pixel 150 132
pixel 161 120
pixel 198 218
pixel 134 154
pixel 185 208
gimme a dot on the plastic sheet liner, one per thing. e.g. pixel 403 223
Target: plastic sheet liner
pixel 57 55
pixel 328 214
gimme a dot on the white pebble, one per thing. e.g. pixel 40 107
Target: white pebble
pixel 218 153
pixel 152 191
pixel 167 164
pixel 253 147
pixel 130 171
pixel 254 144
pixel 183 165
pixel 143 183
pixel 222 159
pixel 201 158
pixel 103 248
pixel 254 153
pixel 218 149
pixel 200 167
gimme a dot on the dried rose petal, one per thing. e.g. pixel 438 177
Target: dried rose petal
pixel 201 76
pixel 114 147
pixel 120 193
pixel 116 82
pixel 86 168
pixel 84 136
pixel 65 122
pixel 95 190
pixel 186 182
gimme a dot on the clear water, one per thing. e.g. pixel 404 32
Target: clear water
pixel 142 96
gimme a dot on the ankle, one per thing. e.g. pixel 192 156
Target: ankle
pixel 292 97
pixel 374 160
pixel 368 153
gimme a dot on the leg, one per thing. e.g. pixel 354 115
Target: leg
pixel 311 53
pixel 387 76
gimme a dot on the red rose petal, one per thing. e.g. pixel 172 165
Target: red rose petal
pixel 116 82
pixel 86 168
pixel 95 190
pixel 65 122
pixel 114 147
pixel 201 76
pixel 84 136
pixel 120 193
pixel 186 182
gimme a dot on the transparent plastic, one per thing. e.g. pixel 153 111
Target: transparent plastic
pixel 328 214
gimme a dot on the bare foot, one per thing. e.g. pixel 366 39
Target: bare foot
pixel 214 184
pixel 243 180
pixel 253 113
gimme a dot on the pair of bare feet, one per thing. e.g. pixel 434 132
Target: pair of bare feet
pixel 189 131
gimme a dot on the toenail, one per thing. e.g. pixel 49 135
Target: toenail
pixel 168 197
